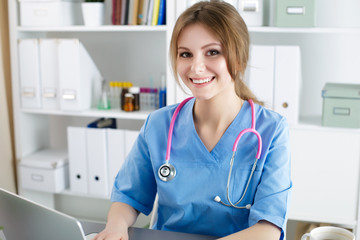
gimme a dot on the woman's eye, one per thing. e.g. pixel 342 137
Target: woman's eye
pixel 185 54
pixel 213 52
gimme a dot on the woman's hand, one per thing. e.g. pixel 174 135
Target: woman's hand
pixel 120 217
pixel 113 232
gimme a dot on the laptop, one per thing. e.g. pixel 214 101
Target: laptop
pixel 23 219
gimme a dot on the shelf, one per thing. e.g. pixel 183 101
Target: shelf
pixel 141 115
pixel 305 123
pixel 163 28
pixel 302 30
pixel 314 123
pixel 105 28
pixel 68 192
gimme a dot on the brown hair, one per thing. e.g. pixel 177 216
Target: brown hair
pixel 222 20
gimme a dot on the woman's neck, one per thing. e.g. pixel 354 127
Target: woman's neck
pixel 217 111
pixel 213 117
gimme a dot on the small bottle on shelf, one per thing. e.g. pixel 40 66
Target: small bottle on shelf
pixel 129 102
pixel 125 89
pixel 162 92
pixel 104 99
pixel 135 91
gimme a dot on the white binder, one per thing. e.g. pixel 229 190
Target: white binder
pixel 29 70
pixel 116 152
pixel 287 82
pixel 78 166
pixel 49 73
pixel 130 138
pixel 78 73
pixel 97 161
pixel 274 76
pixel 259 75
pixel 252 12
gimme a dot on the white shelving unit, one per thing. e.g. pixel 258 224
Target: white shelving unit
pixel 121 53
pixel 325 160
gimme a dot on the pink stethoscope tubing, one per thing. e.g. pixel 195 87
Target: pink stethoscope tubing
pixel 167 171
pixel 171 127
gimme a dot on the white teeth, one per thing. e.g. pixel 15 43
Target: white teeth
pixel 200 81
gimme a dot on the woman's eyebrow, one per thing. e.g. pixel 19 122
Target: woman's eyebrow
pixel 184 48
pixel 205 46
pixel 210 44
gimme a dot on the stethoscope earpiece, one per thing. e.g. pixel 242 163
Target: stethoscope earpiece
pixel 218 199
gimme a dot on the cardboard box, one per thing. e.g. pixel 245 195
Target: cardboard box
pixel 50 12
pixel 295 13
pixel 46 170
pixel 341 105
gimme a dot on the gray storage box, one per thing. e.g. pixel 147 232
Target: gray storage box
pixel 295 13
pixel 341 105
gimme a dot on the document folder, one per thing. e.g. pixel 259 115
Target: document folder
pixel 78 73
pixel 274 76
pixel 49 73
pixel 78 164
pixel 29 71
pixel 116 152
pixel 259 75
pixel 287 82
pixel 97 159
pixel 251 11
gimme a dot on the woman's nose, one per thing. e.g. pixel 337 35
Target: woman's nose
pixel 198 65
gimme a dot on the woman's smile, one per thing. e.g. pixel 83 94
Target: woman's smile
pixel 200 81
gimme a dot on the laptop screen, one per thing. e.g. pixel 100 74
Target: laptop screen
pixel 24 219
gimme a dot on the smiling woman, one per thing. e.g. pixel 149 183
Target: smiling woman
pixel 7 170
pixel 209 51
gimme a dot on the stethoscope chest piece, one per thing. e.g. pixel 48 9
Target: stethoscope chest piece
pixel 166 172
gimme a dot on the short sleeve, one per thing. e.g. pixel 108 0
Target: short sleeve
pixel 135 183
pixel 273 193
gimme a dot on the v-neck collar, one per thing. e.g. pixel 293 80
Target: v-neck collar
pixel 224 146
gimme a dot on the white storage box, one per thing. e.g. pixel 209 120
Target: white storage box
pixel 50 12
pixel 252 12
pixel 46 170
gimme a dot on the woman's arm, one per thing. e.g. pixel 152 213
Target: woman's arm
pixel 120 217
pixel 262 230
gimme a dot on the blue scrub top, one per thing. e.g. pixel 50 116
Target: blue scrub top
pixel 186 203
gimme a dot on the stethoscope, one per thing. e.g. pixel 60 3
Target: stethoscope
pixel 167 171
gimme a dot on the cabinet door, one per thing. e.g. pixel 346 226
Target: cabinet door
pixel 325 173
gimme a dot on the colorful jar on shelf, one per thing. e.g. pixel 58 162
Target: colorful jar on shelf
pixel 129 102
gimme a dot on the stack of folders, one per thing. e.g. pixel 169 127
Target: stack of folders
pixel 138 12
pixel 56 74
pixel 95 157
pixel 276 80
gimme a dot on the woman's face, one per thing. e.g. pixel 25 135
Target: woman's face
pixel 201 63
